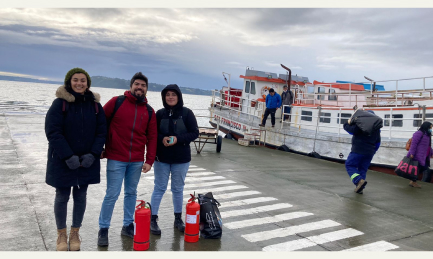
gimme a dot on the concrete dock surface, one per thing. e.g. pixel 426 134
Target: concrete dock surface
pixel 270 201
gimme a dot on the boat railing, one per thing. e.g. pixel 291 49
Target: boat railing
pixel 319 115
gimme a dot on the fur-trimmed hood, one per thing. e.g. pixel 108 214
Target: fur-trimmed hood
pixel 65 95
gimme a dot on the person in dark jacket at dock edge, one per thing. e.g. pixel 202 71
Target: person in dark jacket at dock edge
pixel 177 127
pixel 421 151
pixel 273 102
pixel 363 149
pixel 75 127
pixel 130 133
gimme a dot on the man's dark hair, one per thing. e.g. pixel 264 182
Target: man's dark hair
pixel 271 90
pixel 285 86
pixel 139 75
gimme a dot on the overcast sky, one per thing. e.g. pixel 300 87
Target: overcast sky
pixel 192 47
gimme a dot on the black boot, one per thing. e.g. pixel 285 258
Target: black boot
pixel 178 223
pixel 103 237
pixel 154 229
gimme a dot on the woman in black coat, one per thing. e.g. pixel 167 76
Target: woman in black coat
pixel 75 127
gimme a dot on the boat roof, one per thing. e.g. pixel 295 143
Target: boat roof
pixel 342 86
pixel 366 86
pixel 273 77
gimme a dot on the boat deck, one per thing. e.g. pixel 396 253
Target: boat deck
pixel 270 200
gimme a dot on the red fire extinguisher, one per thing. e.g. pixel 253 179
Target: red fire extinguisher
pixel 142 226
pixel 192 222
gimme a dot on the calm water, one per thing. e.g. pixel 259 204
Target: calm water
pixel 36 98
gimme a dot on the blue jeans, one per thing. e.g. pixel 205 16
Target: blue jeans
pixel 117 172
pixel 162 173
pixel 357 166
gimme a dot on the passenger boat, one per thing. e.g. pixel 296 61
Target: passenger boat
pixel 319 111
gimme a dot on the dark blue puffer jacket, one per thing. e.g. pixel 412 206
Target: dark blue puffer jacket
pixel 76 131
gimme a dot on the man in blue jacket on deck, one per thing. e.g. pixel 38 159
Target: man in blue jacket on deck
pixel 273 102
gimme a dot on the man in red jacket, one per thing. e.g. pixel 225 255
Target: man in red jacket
pixel 130 132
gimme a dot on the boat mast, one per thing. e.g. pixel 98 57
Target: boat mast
pixel 290 75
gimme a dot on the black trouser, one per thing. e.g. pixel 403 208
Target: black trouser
pixel 272 113
pixel 61 205
pixel 426 174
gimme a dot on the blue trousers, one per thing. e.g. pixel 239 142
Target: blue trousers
pixel 357 166
pixel 117 173
pixel 162 174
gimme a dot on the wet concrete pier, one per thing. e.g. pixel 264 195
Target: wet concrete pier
pixel 270 200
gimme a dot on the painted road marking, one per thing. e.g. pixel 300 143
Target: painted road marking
pixel 380 246
pixel 196 169
pixel 195 185
pixel 199 174
pixel 216 190
pixel 314 240
pixel 192 166
pixel 196 179
pixel 232 195
pixel 265 220
pixel 228 204
pixel 234 213
pixel 288 231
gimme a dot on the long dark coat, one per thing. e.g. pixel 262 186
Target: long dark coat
pixel 77 131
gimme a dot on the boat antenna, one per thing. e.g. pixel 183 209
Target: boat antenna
pixel 225 79
pixel 289 81
pixel 374 83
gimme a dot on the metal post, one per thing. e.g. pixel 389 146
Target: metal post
pixel 423 84
pixel 390 123
pixel 396 90
pixel 350 95
pixel 339 123
pixel 423 113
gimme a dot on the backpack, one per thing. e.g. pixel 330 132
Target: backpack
pixel 408 143
pixel 211 225
pixel 117 105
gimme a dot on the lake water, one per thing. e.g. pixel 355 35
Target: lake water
pixel 36 98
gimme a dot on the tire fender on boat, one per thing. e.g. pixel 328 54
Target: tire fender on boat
pixel 229 136
pixel 284 148
pixel 314 154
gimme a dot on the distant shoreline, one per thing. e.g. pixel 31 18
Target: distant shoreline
pixel 113 83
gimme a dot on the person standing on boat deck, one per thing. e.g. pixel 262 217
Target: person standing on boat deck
pixel 421 151
pixel 75 127
pixel 177 127
pixel 287 99
pixel 273 102
pixel 130 132
pixel 363 149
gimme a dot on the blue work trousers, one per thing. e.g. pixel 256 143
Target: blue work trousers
pixel 357 166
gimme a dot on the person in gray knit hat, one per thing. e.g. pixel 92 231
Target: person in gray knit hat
pixel 76 128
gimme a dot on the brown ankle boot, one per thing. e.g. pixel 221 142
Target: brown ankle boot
pixel 62 240
pixel 74 239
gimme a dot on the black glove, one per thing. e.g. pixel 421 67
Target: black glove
pixel 87 160
pixel 73 162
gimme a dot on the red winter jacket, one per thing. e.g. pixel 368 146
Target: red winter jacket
pixel 126 139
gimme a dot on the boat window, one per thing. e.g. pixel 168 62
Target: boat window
pixel 308 117
pixel 247 86
pixel 343 115
pixel 325 117
pixel 253 87
pixel 417 123
pixel 332 97
pixel 320 90
pixel 310 89
pixel 395 123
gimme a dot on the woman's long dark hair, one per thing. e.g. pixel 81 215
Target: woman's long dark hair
pixel 425 128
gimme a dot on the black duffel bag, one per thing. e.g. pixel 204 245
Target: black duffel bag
pixel 366 121
pixel 211 225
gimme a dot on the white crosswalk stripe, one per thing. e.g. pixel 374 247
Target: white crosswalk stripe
pixel 193 174
pixel 288 231
pixel 196 169
pixel 196 179
pixel 194 185
pixel 232 195
pixel 266 220
pixel 314 240
pixel 215 190
pixel 192 166
pixel 380 246
pixel 234 213
pixel 228 204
